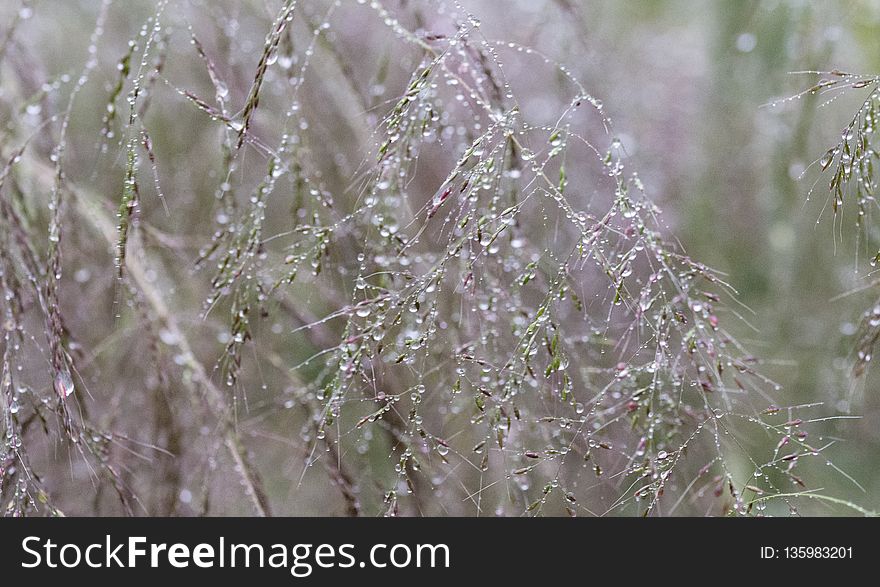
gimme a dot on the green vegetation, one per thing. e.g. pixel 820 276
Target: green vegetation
pixel 395 257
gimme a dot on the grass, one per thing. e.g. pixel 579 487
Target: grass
pixel 850 165
pixel 372 288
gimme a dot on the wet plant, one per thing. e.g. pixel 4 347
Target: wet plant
pixel 278 268
pixel 849 169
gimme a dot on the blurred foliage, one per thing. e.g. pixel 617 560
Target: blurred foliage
pixel 259 223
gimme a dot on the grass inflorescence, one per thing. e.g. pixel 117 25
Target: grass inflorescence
pixel 402 270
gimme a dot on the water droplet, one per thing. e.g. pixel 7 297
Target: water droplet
pixel 64 384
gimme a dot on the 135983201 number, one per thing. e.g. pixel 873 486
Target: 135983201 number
pixel 807 552
pixel 830 552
